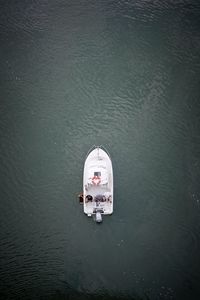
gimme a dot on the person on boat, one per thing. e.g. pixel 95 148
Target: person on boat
pixel 80 196
pixel 110 199
pixel 88 198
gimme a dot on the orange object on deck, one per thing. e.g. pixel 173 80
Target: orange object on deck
pixel 96 180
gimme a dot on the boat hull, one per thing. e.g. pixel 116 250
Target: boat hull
pixel 98 183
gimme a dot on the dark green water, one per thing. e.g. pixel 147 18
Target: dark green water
pixel 123 74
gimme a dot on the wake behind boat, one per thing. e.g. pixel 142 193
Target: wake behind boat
pixel 98 184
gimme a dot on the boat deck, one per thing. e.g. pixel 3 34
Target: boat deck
pixel 106 206
pixel 96 190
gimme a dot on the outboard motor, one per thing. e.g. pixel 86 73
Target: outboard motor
pixel 98 217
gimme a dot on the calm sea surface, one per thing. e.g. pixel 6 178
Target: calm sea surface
pixel 123 74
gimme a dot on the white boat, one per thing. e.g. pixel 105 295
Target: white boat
pixel 98 184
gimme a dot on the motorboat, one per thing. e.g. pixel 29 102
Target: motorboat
pixel 98 184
